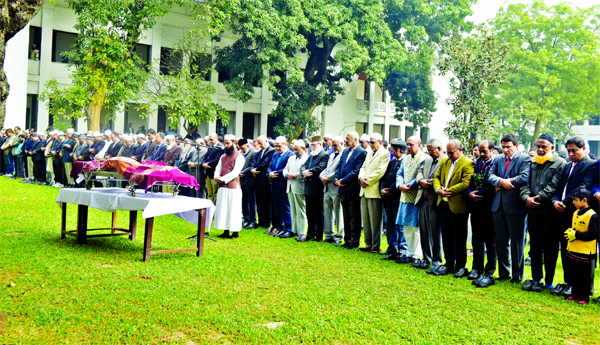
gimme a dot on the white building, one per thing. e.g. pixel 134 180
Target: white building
pixel 34 57
pixel 590 132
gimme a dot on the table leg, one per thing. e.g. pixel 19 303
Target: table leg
pixel 132 224
pixel 63 220
pixel 149 227
pixel 114 222
pixel 82 220
pixel 201 228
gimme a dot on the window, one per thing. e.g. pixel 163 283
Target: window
pixel 361 128
pixel 170 61
pixel 394 132
pixel 408 132
pixel 62 42
pixel 31 115
pixel 595 120
pixel 248 125
pixel 377 128
pixel 224 75
pixel 201 65
pixel 161 120
pixel 424 135
pixel 221 129
pixel 35 42
pixel 595 147
pixel 271 123
pixel 143 51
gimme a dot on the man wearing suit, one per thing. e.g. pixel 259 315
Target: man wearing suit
pixel 509 173
pixel 114 147
pixel 248 181
pixel 482 194
pixel 196 168
pixel 281 218
pixel 450 182
pixel 295 189
pixel 313 188
pixel 581 171
pixel 262 188
pixel 172 151
pixel 391 202
pixel 140 148
pixel 346 177
pixel 429 215
pixel 151 144
pixel 159 150
pixel 209 163
pixel 331 196
pixel 371 172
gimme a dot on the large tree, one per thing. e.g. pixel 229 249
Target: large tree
pixel 14 16
pixel 421 26
pixel 107 72
pixel 557 49
pixel 304 49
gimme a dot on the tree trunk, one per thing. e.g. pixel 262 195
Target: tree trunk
pixel 14 15
pixel 298 127
pixel 536 132
pixel 93 110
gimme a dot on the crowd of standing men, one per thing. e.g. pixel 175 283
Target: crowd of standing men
pixel 332 189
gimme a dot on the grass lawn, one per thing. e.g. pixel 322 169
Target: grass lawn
pixel 256 289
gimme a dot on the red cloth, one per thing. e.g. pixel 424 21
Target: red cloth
pixel 507 164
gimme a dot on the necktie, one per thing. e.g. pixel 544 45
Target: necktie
pixel 431 171
pixel 507 164
pixel 335 155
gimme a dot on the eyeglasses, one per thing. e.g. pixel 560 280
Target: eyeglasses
pixel 450 153
pixel 314 144
pixel 298 150
pixel 573 150
pixel 409 144
pixel 334 145
pixel 372 142
pixel 277 146
pixel 483 151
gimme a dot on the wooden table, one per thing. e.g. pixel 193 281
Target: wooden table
pixel 83 199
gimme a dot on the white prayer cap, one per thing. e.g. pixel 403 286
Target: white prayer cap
pixel 97 134
pixel 141 136
pixel 365 137
pixel 229 137
pixel 54 132
pixel 127 137
pixel 328 135
pixel 200 141
pixel 376 136
pixel 26 131
pixel 70 131
pixel 170 136
pixel 280 140
pixel 107 132
pixel 338 139
pixel 41 133
pixel 206 137
pixel 60 133
pixel 300 143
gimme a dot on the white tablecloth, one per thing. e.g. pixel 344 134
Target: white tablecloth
pixel 152 204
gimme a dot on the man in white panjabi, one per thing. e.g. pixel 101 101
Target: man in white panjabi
pixel 228 214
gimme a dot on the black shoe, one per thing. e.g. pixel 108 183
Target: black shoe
pixel 244 224
pixel 417 263
pixel 474 275
pixel 461 273
pixel 365 249
pixel 442 271
pixel 515 281
pixel 286 235
pixel 402 259
pixel 528 261
pixel 501 279
pixel 391 256
pixel 528 285
pixel 568 291
pixel 559 289
pixel 328 240
pixel 596 300
pixel 347 246
pixel 537 287
pixel 224 235
pixel 252 226
pixel 432 270
pixel 424 265
pixel 476 281
pixel 485 281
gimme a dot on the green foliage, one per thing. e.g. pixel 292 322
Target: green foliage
pixel 303 49
pixel 106 72
pixel 420 26
pixel 475 63
pixel 558 82
pixel 183 91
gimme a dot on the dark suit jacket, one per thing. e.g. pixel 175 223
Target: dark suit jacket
pixel 262 163
pixel 150 145
pixel 158 153
pixel 113 150
pixel 348 171
pixel 139 151
pixel 483 188
pixel 585 173
pixel 248 179
pixel 212 159
pixel 171 155
pixel 37 148
pixel 518 173
pixel 279 184
pixel 389 180
pixel 315 164
pixel 97 146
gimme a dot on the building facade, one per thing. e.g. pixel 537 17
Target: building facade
pixel 34 57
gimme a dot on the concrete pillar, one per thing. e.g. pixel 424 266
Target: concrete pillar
pixel 388 117
pixel 371 118
pixel 214 82
pixel 45 61
pixel 118 122
pixel 15 66
pixel 239 119
pixel 264 110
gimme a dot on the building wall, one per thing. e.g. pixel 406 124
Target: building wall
pixel 350 111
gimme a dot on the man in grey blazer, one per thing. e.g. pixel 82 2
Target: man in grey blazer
pixel 150 146
pixel 331 197
pixel 248 182
pixel 429 218
pixel 508 174
pixel 295 189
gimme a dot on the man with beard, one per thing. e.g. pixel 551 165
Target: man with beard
pixel 248 182
pixel 228 213
pixel 313 188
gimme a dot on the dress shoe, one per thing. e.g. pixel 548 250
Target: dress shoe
pixel 277 232
pixel 365 249
pixel 347 246
pixel 302 238
pixel 501 279
pixel 474 275
pixel 402 259
pixel 269 230
pixel 596 300
pixel 528 285
pixel 375 251
pixel 558 289
pixel 245 224
pixel 424 265
pixel 223 235
pixel 461 273
pixel 537 287
pixel 568 291
pixel 432 270
pixel 281 233
pixel 442 271
pixel 485 281
pixel 287 235
pixel 515 281
pixel 417 263
pixel 528 261
pixel 391 256
pixel 476 281
pixel 328 240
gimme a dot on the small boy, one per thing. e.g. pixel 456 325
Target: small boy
pixel 580 259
